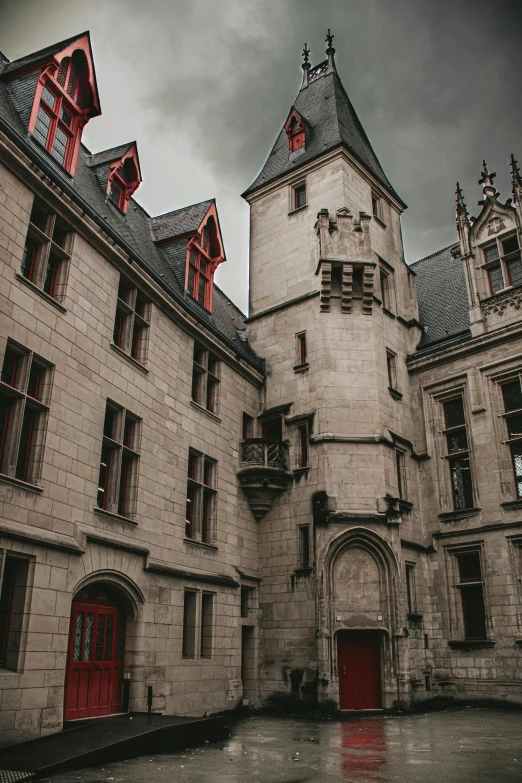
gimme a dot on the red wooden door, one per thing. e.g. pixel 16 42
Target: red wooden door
pixel 359 668
pixel 95 658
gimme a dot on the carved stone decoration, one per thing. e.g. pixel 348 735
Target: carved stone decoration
pixel 500 302
pixel 347 288
pixel 326 286
pixel 264 474
pixel 368 277
pixel 495 225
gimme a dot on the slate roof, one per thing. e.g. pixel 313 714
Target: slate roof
pixel 442 297
pixel 132 231
pixel 108 156
pixel 331 122
pixel 41 54
pixel 181 221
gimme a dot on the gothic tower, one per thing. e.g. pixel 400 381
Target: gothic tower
pixel 333 310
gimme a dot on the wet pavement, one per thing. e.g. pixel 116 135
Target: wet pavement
pixel 454 746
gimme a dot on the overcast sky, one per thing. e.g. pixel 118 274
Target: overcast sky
pixel 204 86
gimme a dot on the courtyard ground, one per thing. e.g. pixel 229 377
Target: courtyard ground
pixel 459 745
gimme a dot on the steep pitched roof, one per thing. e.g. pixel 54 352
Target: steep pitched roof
pixel 332 122
pixel 442 296
pixel 137 231
pixel 41 54
pixel 181 221
pixel 108 156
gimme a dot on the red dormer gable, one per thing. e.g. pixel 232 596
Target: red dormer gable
pixel 66 98
pixel 124 178
pixel 295 130
pixel 205 253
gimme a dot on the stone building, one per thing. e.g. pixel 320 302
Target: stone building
pixel 322 499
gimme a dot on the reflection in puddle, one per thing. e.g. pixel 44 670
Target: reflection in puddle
pixel 363 750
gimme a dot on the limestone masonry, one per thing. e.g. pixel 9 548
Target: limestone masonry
pixel 322 500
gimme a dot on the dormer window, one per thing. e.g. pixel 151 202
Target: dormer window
pixel 204 254
pixel 64 102
pixel 503 264
pixel 295 130
pixel 123 181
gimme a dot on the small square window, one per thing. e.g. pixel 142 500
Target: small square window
pixel 299 196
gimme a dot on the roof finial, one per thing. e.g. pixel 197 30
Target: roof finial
pixel 462 210
pixel 486 180
pixel 305 66
pixel 330 51
pixel 516 180
pixel 329 40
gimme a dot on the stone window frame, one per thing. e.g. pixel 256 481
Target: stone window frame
pixel 387 288
pixel 502 262
pixel 294 191
pixel 454 584
pixel 47 253
pixel 132 319
pixel 304 547
pixel 301 351
pixel 391 369
pixel 198 628
pixel 206 379
pixel 15 640
pixel 25 391
pixel 400 473
pixel 201 502
pixel 410 580
pixel 434 396
pixel 121 445
pixel 248 601
pixel 515 549
pixel 377 208
pixel 507 480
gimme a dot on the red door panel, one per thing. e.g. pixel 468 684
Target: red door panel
pixel 95 660
pixel 359 668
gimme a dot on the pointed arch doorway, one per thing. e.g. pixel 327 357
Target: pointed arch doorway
pixel 359 667
pixel 93 682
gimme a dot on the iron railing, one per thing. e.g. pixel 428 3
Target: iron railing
pixel 264 453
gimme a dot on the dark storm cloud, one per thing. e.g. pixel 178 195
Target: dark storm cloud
pixel 437 86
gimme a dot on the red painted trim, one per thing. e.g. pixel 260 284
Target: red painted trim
pixel 297 135
pixel 128 188
pixel 3 433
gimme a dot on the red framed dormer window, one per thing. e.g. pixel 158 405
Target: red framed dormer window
pixel 124 178
pixel 65 100
pixel 295 131
pixel 204 254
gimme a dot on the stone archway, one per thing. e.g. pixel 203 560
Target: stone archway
pixel 359 615
pixel 102 605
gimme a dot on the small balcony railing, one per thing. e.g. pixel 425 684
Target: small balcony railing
pixel 260 452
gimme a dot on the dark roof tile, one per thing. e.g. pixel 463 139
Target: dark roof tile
pixel 41 54
pixel 181 221
pixel 442 296
pixel 108 156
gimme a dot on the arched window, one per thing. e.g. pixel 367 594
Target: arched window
pixel 63 104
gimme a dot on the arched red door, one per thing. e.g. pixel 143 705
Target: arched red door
pixel 359 667
pixel 94 675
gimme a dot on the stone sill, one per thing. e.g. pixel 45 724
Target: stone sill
pixel 514 504
pixel 201 409
pixel 303 571
pixel 415 618
pixel 124 355
pixel 379 221
pixel 20 484
pixel 302 367
pixel 452 516
pixel 301 471
pixel 299 209
pixel 49 299
pixel 466 644
pixel 397 395
pixel 111 515
pixel 203 544
pixel 389 313
pixel 193 660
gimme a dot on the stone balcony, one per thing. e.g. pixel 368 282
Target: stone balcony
pixel 263 474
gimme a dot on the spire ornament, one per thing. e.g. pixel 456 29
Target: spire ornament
pixel 330 51
pixel 305 66
pixel 462 210
pixel 486 180
pixel 516 181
